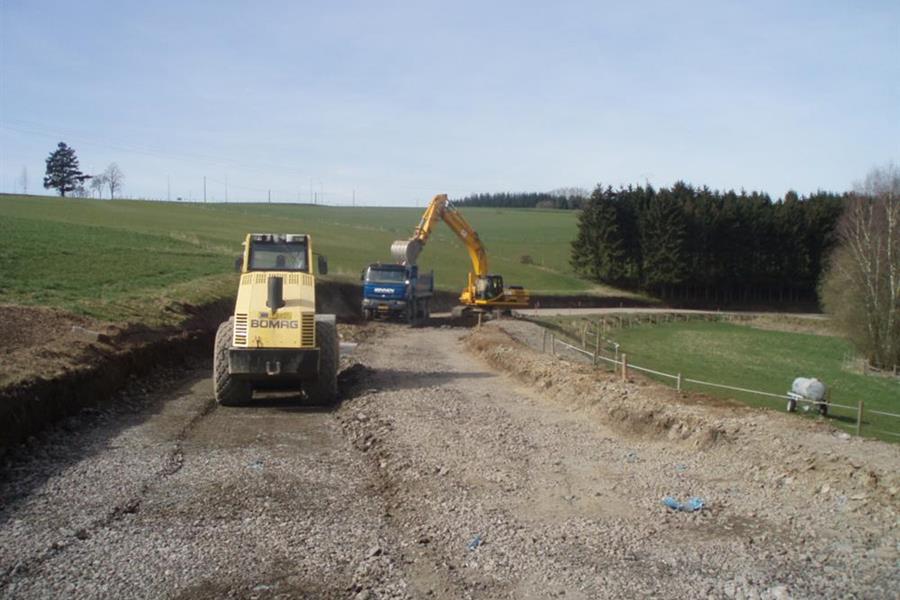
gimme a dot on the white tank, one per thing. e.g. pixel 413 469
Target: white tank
pixel 809 388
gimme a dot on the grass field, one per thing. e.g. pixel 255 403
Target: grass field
pixel 110 258
pixel 765 360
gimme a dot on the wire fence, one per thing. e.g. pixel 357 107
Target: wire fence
pixel 594 345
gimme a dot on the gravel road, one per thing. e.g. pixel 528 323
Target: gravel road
pixel 437 477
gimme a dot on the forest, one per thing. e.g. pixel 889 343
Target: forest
pixel 696 244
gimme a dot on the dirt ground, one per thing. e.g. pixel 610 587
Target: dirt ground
pixel 36 336
pixel 458 465
pixel 43 343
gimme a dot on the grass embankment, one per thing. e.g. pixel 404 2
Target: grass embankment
pixel 761 359
pixel 125 260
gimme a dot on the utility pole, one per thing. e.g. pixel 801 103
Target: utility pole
pixel 204 189
pixel 270 196
pixel 354 198
pixel 226 188
pixel 168 188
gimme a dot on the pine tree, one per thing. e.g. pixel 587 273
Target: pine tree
pixel 63 173
pixel 597 252
pixel 662 234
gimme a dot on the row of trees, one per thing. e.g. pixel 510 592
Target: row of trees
pixel 563 198
pixel 711 246
pixel 64 175
pixel 699 244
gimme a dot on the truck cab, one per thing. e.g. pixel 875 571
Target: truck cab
pixel 396 290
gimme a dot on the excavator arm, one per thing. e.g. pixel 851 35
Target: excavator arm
pixel 469 238
pixel 407 251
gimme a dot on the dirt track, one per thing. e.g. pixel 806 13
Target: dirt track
pixel 431 453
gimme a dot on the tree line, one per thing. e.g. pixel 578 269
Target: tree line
pixel 64 174
pixel 697 244
pixel 563 198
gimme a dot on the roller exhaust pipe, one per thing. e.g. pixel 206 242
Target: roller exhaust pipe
pixel 275 296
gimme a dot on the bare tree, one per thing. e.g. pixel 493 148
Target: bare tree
pixel 114 177
pixel 23 180
pixel 862 288
pixel 98 182
pixel 570 192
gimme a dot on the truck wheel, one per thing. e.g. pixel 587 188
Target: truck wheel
pixel 367 314
pixel 823 409
pixel 227 390
pixel 323 390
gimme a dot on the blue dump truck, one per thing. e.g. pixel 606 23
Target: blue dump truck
pixel 396 291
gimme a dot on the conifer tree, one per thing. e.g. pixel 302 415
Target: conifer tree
pixel 63 173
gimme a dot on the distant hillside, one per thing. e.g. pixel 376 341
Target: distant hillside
pixel 113 259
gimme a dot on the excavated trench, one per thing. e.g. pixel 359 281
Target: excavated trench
pixel 57 373
pixel 64 363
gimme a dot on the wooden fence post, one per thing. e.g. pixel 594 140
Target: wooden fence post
pixel 544 343
pixel 584 336
pixel 859 416
pixel 624 367
pixel 678 383
pixel 597 347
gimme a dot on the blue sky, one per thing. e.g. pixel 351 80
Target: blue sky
pixel 398 101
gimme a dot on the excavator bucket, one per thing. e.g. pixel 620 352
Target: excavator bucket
pixel 406 251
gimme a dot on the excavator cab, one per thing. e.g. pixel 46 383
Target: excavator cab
pixel 488 287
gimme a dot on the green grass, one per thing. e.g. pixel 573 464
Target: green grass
pixel 765 360
pixel 110 259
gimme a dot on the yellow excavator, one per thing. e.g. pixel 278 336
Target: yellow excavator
pixel 484 292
